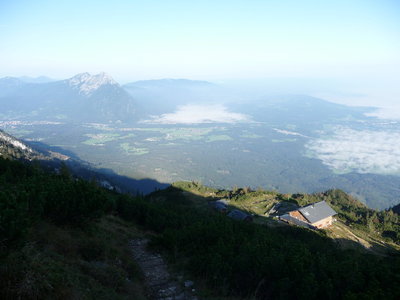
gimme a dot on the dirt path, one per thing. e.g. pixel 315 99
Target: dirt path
pixel 358 239
pixel 159 282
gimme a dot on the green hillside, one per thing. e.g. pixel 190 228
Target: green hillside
pixel 372 230
pixel 59 240
pixel 66 238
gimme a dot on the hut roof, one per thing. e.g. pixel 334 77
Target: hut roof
pixel 317 211
pixel 238 215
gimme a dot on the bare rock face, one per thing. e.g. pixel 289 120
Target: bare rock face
pixel 87 84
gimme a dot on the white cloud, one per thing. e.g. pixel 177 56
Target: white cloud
pixel 388 113
pixel 287 132
pixel 197 114
pixel 362 151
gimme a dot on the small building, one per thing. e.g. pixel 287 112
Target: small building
pixel 223 201
pixel 240 215
pixel 219 206
pixel 316 216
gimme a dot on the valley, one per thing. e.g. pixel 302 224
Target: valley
pixel 170 130
pixel 272 156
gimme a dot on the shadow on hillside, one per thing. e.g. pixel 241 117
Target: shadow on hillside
pixel 375 249
pixel 205 202
pixel 44 149
pixel 144 186
pixel 84 169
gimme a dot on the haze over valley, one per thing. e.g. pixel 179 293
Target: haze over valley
pixel 176 129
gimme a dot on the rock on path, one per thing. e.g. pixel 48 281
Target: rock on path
pixel 159 282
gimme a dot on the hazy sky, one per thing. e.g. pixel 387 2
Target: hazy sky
pixel 134 40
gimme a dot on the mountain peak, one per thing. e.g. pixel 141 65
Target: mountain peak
pixel 87 83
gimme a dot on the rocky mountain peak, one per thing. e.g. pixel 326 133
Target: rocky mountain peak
pixel 86 83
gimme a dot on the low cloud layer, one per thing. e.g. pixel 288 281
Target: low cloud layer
pixel 287 132
pixel 362 151
pixel 388 113
pixel 198 114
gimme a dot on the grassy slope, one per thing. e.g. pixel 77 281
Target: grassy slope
pixel 260 202
pixel 71 263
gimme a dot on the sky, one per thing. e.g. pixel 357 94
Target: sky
pixel 356 40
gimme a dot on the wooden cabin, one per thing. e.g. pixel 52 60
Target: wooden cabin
pixel 316 216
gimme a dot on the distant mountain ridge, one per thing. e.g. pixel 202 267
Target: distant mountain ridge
pixel 168 83
pixel 84 97
pixel 39 79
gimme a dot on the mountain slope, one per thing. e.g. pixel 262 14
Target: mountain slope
pixel 55 247
pixel 56 240
pixel 82 98
pixel 258 261
pixel 357 225
pixel 10 85
pixel 302 110
pixel 51 159
pixel 13 148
